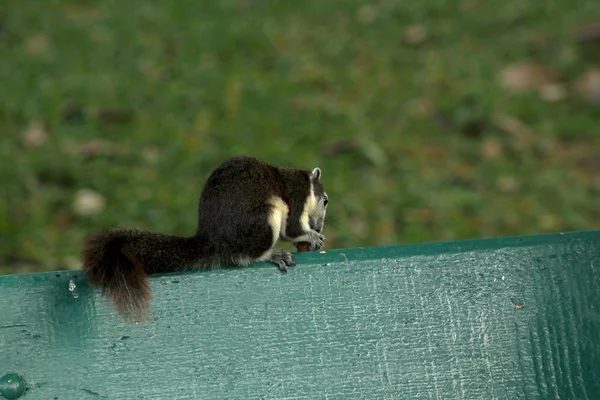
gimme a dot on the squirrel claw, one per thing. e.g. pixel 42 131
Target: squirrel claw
pixel 282 258
pixel 317 241
pixel 282 266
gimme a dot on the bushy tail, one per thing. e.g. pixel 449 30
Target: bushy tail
pixel 121 277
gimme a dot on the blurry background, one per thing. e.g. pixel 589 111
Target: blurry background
pixel 432 120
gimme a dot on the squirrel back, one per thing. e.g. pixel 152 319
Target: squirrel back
pixel 245 207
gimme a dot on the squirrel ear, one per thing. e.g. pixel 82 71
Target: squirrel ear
pixel 316 174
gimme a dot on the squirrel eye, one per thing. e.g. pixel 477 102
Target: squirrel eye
pixel 325 199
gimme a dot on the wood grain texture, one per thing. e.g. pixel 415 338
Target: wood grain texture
pixel 428 321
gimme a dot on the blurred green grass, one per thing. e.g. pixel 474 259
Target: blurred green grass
pixel 398 102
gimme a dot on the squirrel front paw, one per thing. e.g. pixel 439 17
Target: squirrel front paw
pixel 316 240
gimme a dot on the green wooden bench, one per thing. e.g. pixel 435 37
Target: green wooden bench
pixel 507 318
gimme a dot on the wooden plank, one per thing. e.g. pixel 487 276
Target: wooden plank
pixel 484 319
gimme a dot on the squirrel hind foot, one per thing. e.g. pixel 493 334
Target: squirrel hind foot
pixel 280 257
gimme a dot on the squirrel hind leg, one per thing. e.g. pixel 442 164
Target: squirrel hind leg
pixel 280 257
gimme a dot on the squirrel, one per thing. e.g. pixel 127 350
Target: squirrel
pixel 245 207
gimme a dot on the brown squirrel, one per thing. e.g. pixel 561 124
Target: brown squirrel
pixel 245 207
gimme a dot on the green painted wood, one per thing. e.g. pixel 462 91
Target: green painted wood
pixel 430 321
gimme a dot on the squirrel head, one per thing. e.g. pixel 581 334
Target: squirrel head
pixel 318 201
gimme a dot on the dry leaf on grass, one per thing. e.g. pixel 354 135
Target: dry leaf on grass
pixel 88 202
pixel 588 85
pixel 37 44
pixel 553 92
pixel 526 76
pixel 34 136
pixel 151 155
pixel 415 35
pixel 492 149
pixel 507 184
